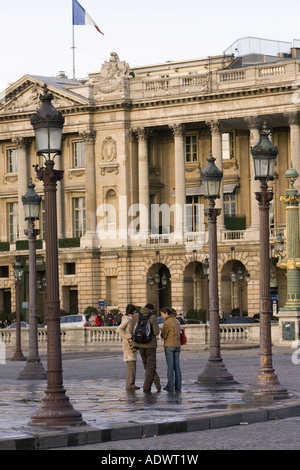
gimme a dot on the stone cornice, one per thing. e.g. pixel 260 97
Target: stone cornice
pixel 168 101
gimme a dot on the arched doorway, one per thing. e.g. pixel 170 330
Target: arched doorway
pixel 159 287
pixel 234 289
pixel 195 288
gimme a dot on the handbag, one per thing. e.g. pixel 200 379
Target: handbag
pixel 183 337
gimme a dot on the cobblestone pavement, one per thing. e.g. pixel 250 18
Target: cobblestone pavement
pixel 95 384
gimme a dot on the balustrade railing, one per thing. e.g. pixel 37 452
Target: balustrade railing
pixel 94 337
pixel 218 80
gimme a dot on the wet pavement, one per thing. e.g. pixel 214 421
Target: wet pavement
pixel 110 413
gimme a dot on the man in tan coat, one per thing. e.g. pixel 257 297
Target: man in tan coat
pixel 147 350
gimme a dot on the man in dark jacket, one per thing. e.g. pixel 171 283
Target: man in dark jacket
pixel 148 350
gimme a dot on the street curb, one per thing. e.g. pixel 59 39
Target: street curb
pixel 52 438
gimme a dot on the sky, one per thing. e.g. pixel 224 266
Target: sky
pixel 36 36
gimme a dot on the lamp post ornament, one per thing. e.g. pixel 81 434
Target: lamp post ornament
pixel 34 369
pixel 215 371
pixel 292 262
pixel 56 408
pixel 266 386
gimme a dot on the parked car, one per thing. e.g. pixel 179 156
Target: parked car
pixel 23 325
pixel 237 320
pixel 192 321
pixel 74 321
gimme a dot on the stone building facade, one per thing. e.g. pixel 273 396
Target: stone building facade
pixel 131 202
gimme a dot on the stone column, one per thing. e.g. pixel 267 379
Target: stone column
pixel 90 237
pixel 23 176
pixel 180 190
pixel 143 174
pixel 295 145
pixel 216 146
pixel 254 125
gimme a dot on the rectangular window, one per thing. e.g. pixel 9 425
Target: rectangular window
pixel 229 205
pixel 191 148
pixel 79 154
pixel 12 160
pixel 228 146
pixel 70 268
pixel 192 214
pixel 4 271
pixel 112 290
pixel 79 217
pixel 12 221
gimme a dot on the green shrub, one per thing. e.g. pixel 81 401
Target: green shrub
pixel 196 314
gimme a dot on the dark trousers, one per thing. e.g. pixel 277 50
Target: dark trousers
pixel 148 356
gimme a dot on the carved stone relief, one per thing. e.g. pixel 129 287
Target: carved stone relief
pixel 29 100
pixel 109 156
pixel 112 76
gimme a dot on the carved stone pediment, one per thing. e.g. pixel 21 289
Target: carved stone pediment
pixel 112 77
pixel 26 98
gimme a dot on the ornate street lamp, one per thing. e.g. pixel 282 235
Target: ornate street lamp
pixel 215 371
pixel 18 272
pixel 266 386
pixel 56 409
pixel 34 369
pixel 154 282
pixel 239 277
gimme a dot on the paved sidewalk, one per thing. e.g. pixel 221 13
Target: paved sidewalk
pixel 111 413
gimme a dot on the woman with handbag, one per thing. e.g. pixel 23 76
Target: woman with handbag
pixel 128 350
pixel 171 335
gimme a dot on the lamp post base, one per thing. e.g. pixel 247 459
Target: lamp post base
pixel 266 388
pixel 18 356
pixel 33 370
pixel 215 373
pixel 56 410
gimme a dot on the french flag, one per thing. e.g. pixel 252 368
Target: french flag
pixel 81 17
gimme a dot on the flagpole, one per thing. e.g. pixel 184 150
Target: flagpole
pixel 73 47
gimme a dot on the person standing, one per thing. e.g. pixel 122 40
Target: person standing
pixel 110 318
pixel 172 346
pixel 129 356
pixel 98 320
pixel 148 349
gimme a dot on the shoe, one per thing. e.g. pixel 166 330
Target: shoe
pixel 168 389
pixel 157 383
pixel 134 387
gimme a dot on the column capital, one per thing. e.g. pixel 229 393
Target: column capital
pixel 293 118
pixel 215 126
pixel 21 142
pixel 132 136
pixel 142 133
pixel 177 129
pixel 88 136
pixel 253 122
